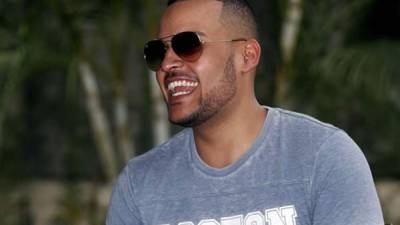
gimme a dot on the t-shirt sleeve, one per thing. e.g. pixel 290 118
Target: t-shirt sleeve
pixel 122 209
pixel 342 187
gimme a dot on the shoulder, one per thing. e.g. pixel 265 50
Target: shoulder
pixel 306 143
pixel 306 129
pixel 301 121
pixel 319 146
pixel 149 169
pixel 155 157
pixel 142 174
pixel 301 131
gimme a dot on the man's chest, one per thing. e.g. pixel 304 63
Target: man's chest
pixel 281 203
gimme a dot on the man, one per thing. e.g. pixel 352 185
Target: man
pixel 238 162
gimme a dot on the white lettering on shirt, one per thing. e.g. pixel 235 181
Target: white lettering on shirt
pixel 285 215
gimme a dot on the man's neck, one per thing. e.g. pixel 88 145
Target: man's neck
pixel 224 140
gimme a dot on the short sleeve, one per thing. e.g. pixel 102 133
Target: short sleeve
pixel 122 209
pixel 342 187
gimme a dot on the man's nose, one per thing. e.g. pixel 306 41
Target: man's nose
pixel 171 61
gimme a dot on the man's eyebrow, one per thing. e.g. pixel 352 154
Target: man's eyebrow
pixel 164 37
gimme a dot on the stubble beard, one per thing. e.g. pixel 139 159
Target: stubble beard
pixel 213 101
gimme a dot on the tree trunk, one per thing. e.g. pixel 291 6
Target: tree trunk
pixel 290 31
pixel 100 124
pixel 160 123
pixel 124 139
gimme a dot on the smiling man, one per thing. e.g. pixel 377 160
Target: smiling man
pixel 238 162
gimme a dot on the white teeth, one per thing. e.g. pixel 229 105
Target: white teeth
pixel 180 93
pixel 173 85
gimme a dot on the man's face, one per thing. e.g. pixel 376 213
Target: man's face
pixel 195 91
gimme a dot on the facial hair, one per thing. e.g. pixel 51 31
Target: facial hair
pixel 214 100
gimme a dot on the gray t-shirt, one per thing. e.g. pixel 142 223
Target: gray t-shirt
pixel 299 171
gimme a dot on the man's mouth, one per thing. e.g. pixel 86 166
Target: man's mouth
pixel 181 87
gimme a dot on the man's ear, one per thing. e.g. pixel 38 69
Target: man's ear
pixel 251 55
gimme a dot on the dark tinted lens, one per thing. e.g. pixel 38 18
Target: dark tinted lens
pixel 154 52
pixel 187 45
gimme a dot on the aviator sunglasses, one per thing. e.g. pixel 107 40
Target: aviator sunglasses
pixel 187 45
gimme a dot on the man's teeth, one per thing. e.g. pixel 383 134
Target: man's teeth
pixel 180 93
pixel 173 85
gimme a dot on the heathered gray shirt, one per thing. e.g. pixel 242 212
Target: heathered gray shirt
pixel 299 171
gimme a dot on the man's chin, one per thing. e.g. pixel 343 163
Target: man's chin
pixel 184 122
pixel 189 120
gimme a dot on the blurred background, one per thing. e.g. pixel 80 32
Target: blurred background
pixel 77 102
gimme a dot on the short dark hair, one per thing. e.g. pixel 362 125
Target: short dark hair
pixel 238 14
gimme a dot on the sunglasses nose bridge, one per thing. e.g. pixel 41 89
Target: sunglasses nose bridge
pixel 171 59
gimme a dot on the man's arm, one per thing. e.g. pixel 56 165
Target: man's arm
pixel 342 188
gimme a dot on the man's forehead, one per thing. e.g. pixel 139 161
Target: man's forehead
pixel 196 3
pixel 190 15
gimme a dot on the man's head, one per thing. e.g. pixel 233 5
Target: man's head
pixel 219 77
pixel 236 14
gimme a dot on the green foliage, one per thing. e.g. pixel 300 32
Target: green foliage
pixel 350 80
pixel 35 129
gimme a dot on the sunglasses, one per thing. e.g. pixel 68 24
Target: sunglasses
pixel 187 45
